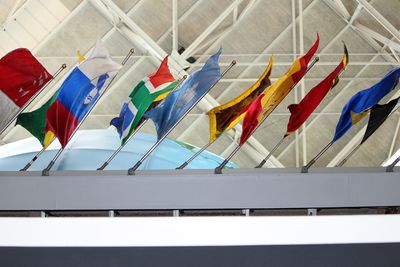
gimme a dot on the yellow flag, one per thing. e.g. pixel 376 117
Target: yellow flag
pixel 226 116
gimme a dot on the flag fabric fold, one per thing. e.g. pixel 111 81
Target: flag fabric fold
pixel 226 116
pixel 301 111
pixel 35 121
pixel 360 103
pixel 22 76
pixel 153 87
pixel 178 102
pixel 274 94
pixel 378 115
pixel 79 92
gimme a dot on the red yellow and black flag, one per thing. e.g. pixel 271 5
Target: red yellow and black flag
pixel 226 116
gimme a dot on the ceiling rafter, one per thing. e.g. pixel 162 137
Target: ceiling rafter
pixel 380 52
pixel 154 48
pixel 355 140
pixel 261 148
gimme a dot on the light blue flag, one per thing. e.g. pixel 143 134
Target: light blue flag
pixel 167 114
pixel 364 100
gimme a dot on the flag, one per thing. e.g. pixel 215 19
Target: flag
pixel 273 95
pixel 360 103
pixel 378 116
pixel 226 116
pixel 178 102
pixel 153 87
pixel 22 76
pixel 35 121
pixel 79 92
pixel 301 111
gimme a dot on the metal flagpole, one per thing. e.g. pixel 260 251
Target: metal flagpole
pixel 63 66
pixel 304 169
pixel 183 165
pixel 348 156
pixel 27 166
pixel 271 152
pixel 218 170
pixel 134 133
pixel 121 147
pixel 132 170
pixel 45 171
pixel 390 167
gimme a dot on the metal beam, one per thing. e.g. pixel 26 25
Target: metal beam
pixel 189 50
pixel 380 18
pixel 252 140
pixel 200 189
pixel 342 9
pixel 353 142
pixel 379 37
pixel 175 25
pixel 349 24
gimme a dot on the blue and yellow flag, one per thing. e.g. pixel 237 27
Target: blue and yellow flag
pixel 178 102
pixel 360 103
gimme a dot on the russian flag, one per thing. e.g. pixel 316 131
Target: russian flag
pixel 79 92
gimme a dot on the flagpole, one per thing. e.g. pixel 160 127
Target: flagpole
pixel 27 166
pixel 132 170
pixel 348 156
pixel 121 147
pixel 45 172
pixel 271 152
pixel 134 133
pixel 218 170
pixel 183 165
pixel 63 66
pixel 304 169
pixel 390 167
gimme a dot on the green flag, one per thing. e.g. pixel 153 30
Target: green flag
pixel 35 121
pixel 143 97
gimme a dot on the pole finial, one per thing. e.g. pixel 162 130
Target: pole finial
pixel 233 62
pixel 132 51
pixel 63 66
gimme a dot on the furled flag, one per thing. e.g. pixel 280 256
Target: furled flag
pixel 155 86
pixel 359 104
pixel 226 116
pixel 264 104
pixel 22 76
pixel 79 92
pixel 378 116
pixel 301 111
pixel 178 102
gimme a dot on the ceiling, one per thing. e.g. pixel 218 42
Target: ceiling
pixel 249 31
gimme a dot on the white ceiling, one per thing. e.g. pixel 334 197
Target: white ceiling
pixel 249 31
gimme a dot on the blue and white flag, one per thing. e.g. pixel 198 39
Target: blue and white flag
pixel 178 102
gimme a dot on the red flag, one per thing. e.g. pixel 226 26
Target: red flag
pixel 21 75
pixel 301 111
pixel 274 94
pixel 252 119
